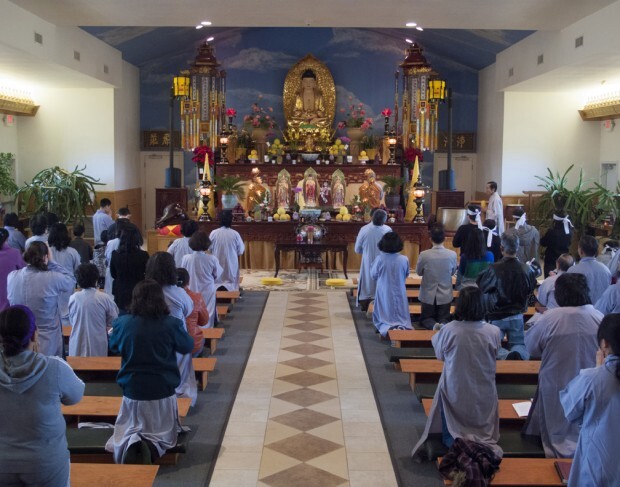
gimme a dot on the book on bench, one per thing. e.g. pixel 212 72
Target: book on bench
pixel 563 469
pixel 522 408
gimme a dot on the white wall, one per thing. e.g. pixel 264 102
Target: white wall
pixel 73 127
pixel 544 130
pixel 490 131
pixel 127 172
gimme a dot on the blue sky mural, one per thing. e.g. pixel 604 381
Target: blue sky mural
pixel 362 62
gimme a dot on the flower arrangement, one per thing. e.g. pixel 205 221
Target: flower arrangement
pixel 231 112
pixel 386 112
pixel 200 153
pixel 355 117
pixel 244 140
pixel 276 149
pixel 260 117
pixel 339 148
pixel 411 153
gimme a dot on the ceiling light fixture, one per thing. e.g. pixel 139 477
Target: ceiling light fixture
pixel 205 22
pixel 210 39
pixel 411 24
pixel 199 26
pixel 419 28
pixel 408 41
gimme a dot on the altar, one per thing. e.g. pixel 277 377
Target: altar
pixel 260 239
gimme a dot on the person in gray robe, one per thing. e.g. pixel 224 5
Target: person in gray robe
pixel 529 237
pixel 466 395
pixel 91 313
pixel 390 270
pixel 366 244
pixel 591 400
pixel 609 302
pixel 160 267
pixel 597 274
pixel 39 286
pixel 546 291
pixel 565 341
pixel 226 246
pixel 436 266
pixel 179 248
pixel 58 242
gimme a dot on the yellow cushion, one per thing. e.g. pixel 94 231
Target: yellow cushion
pixel 335 282
pixel 271 281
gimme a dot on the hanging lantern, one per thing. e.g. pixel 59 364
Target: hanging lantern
pixel 420 101
pixel 203 113
pixel 180 85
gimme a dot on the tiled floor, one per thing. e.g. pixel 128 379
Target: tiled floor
pixel 305 414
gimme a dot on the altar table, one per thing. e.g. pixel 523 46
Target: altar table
pixel 305 248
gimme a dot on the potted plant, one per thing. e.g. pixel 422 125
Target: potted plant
pixel 391 185
pixel 370 144
pixel 57 190
pixel 232 190
pixel 244 142
pixel 7 182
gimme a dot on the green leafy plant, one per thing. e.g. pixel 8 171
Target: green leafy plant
pixel 231 185
pixel 7 184
pixel 391 184
pixel 244 140
pixel 369 141
pixel 578 202
pixel 607 203
pixel 57 190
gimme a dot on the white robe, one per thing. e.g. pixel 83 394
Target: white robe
pixel 466 392
pixel 90 313
pixel 366 244
pixel 226 246
pixel 36 238
pixel 70 260
pixel 204 270
pixel 391 308
pixel 181 306
pixel 495 211
pixel 592 401
pixel 110 247
pixel 179 248
pixel 40 291
pixel 565 340
pixel 546 291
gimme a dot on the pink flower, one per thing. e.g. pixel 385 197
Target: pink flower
pixel 267 117
pixel 345 140
pixel 350 97
pixel 368 121
pixel 231 112
pixel 247 118
pixel 270 109
pixel 260 97
pixel 255 123
pixel 362 113
pixel 341 110
pixel 386 112
pixel 341 125
pixel 360 105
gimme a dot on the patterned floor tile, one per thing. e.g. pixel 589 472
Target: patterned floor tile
pixel 305 326
pixel 306 349
pixel 304 419
pixel 306 363
pixel 306 337
pixel 303 475
pixel 305 397
pixel 305 379
pixel 304 447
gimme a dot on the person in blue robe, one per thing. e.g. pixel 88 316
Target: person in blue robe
pixel 366 244
pixel 390 270
pixel 592 400
pixel 226 246
pixel 564 338
pixel 597 274
pixel 179 248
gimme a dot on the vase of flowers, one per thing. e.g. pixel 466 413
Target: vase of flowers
pixel 244 141
pixel 260 121
pixel 369 143
pixel 202 153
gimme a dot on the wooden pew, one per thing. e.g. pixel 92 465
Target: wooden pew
pixel 414 294
pixel 416 309
pixel 508 370
pixel 416 281
pixel 222 311
pixel 227 296
pixel 109 406
pixel 212 335
pixel 412 338
pixel 100 475
pixel 108 367
pixel 506 411
pixel 515 472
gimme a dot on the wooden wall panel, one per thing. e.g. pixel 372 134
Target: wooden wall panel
pixel 126 197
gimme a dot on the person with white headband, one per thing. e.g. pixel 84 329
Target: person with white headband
pixel 529 238
pixel 557 240
pixel 474 213
pixel 495 207
pixel 489 227
pixel 610 249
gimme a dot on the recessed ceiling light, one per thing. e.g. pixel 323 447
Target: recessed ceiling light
pixel 199 26
pixel 205 22
pixel 419 28
pixel 411 24
pixel 409 41
pixel 210 39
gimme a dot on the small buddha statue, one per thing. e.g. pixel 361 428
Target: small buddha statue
pixel 370 191
pixel 257 193
pixel 309 105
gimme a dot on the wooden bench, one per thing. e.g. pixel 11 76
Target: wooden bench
pixel 108 367
pixel 222 311
pixel 416 309
pixel 515 472
pixel 506 412
pixel 416 281
pixel 519 371
pixel 227 296
pixel 93 474
pixel 109 406
pixel 412 338
pixel 414 294
pixel 212 335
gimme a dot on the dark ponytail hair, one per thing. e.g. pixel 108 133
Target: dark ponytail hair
pixel 4 236
pixel 609 330
pixel 35 255
pixel 17 329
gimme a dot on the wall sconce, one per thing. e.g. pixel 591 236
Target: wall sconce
pixel 223 147
pixel 205 194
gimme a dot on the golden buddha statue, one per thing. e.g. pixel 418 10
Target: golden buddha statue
pixel 370 191
pixel 257 193
pixel 309 105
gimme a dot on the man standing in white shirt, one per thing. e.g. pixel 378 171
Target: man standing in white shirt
pixel 495 207
pixel 102 219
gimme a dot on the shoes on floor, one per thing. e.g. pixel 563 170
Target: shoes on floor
pixel 514 356
pixel 137 453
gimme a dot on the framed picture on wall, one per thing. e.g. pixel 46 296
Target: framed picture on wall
pixel 160 140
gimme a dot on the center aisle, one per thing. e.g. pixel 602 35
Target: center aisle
pixel 305 414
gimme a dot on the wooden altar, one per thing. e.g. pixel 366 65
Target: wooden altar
pixel 260 238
